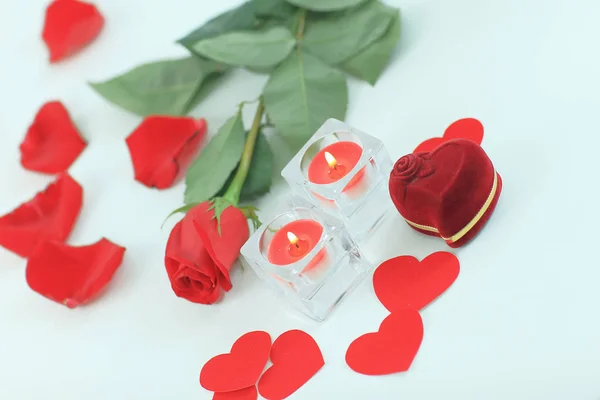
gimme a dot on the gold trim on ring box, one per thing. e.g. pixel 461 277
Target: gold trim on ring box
pixel 457 236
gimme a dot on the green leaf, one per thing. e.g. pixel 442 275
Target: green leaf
pixel 326 5
pixel 371 62
pixel 168 87
pixel 339 36
pixel 274 8
pixel 212 167
pixel 261 71
pixel 260 174
pixel 238 19
pixel 207 87
pixel 260 49
pixel 301 94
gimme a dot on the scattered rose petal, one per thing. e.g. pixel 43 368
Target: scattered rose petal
pixel 72 275
pixel 241 367
pixel 244 394
pixel 466 128
pixel 392 349
pixel 69 26
pixel 50 215
pixel 162 148
pixel 296 359
pixel 52 142
pixel 403 281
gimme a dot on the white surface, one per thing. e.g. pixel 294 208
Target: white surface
pixel 520 323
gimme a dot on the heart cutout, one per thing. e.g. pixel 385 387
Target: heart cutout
pixel 466 128
pixel 391 349
pixel 296 358
pixel 241 367
pixel 402 282
pixel 249 393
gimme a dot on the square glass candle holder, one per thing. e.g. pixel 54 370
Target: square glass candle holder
pixel 308 258
pixel 345 172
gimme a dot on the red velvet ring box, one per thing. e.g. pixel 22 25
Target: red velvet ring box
pixel 449 192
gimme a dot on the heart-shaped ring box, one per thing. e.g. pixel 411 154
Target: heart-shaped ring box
pixel 449 192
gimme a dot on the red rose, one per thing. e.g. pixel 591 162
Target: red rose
pixel 198 258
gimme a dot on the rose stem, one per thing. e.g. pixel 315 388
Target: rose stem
pixel 235 188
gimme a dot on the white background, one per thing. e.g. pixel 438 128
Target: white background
pixel 522 319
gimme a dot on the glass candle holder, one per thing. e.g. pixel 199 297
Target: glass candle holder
pixel 308 258
pixel 345 172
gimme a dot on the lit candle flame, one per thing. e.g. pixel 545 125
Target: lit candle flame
pixel 292 238
pixel 330 159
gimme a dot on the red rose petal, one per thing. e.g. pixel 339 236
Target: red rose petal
pixel 198 259
pixel 241 367
pixel 52 142
pixel 403 281
pixel 296 359
pixel 50 215
pixel 392 349
pixel 466 128
pixel 223 248
pixel 69 26
pixel 162 148
pixel 244 394
pixel 72 275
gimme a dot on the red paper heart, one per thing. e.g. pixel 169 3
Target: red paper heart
pixel 241 367
pixel 52 141
pixel 244 394
pixel 405 282
pixel 70 25
pixel 296 358
pixel 391 349
pixel 466 128
pixel 162 147
pixel 50 215
pixel 72 275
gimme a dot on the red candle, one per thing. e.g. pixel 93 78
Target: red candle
pixel 294 241
pixel 334 162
